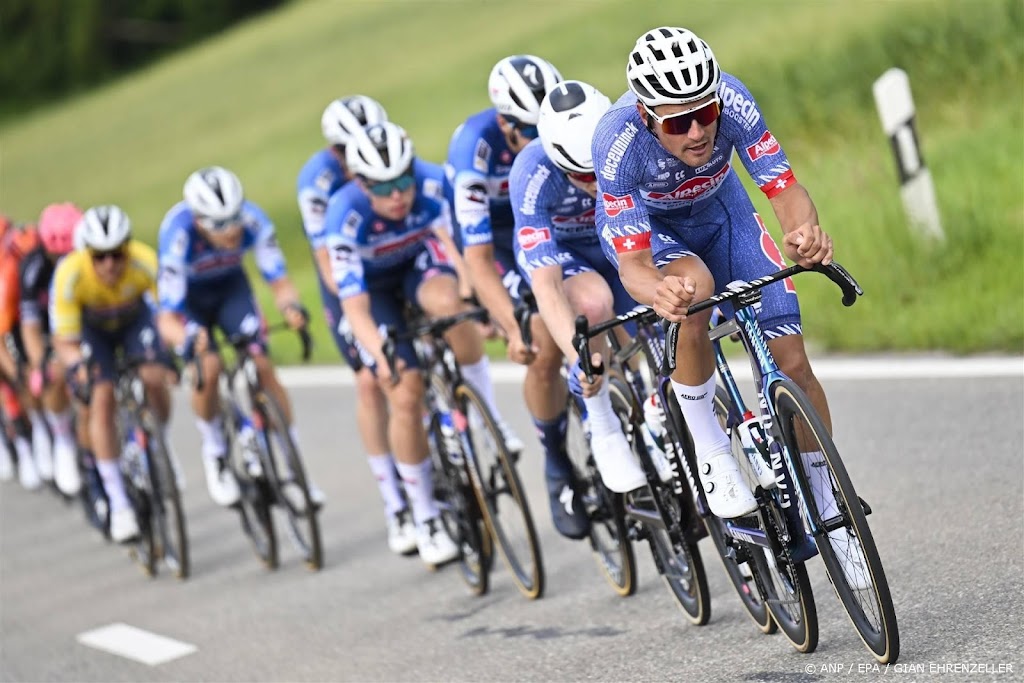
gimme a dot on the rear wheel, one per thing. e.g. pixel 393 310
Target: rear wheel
pixel 501 493
pixel 609 539
pixel 288 475
pixel 168 517
pixel 845 542
pixel 254 502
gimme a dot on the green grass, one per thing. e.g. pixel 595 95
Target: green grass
pixel 251 99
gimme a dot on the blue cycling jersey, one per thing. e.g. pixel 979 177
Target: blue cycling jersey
pixel 549 210
pixel 639 178
pixel 319 178
pixel 188 261
pixel 365 246
pixel 476 181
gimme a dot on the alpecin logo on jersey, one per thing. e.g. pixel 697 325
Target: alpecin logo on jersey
pixel 529 237
pixel 613 205
pixel 765 147
pixel 692 188
pixel 771 250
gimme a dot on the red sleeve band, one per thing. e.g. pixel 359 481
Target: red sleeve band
pixel 779 184
pixel 627 243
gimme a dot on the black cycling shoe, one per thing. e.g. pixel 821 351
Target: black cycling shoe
pixel 567 509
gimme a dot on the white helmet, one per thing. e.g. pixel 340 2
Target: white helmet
pixel 672 66
pixel 214 193
pixel 348 114
pixel 518 84
pixel 381 152
pixel 568 119
pixel 103 228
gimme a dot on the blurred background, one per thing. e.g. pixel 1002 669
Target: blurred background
pixel 117 101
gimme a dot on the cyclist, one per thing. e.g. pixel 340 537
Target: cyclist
pixel 383 231
pixel 99 303
pixel 45 381
pixel 480 158
pixel 323 175
pixel 203 240
pixel 677 221
pixel 558 252
pixel 30 438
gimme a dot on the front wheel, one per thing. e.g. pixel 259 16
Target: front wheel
pixel 844 539
pixel 169 514
pixel 501 493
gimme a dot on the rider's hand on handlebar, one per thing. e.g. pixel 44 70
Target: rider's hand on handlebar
pixel 36 380
pixel 578 383
pixel 296 316
pixel 808 245
pixel 518 352
pixel 673 296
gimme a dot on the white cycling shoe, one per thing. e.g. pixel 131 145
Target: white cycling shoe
pixel 725 487
pixel 619 468
pixel 221 482
pixel 28 475
pixel 513 444
pixel 401 533
pixel 124 527
pixel 435 545
pixel 65 467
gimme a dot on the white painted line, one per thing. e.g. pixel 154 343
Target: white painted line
pixel 864 368
pixel 135 643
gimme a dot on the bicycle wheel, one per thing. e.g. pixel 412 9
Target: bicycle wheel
pixel 679 561
pixel 254 501
pixel 609 538
pixel 144 550
pixel 460 511
pixel 736 559
pixel 288 477
pixel 501 494
pixel 168 515
pixel 845 542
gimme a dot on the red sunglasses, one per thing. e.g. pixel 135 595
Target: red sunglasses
pixel 680 123
pixel 582 177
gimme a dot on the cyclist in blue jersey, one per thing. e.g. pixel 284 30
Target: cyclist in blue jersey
pixel 558 252
pixel 386 233
pixel 677 221
pixel 323 175
pixel 202 284
pixel 480 158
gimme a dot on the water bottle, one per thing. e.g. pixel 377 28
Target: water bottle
pixel 247 442
pixel 751 435
pixel 654 421
pixel 452 445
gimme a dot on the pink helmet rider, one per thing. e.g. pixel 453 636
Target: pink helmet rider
pixel 57 227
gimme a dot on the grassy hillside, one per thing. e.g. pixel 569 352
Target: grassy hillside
pixel 251 99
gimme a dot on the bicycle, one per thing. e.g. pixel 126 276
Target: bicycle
pixel 608 538
pixel 662 513
pixel 263 456
pixel 148 477
pixel 468 450
pixel 780 536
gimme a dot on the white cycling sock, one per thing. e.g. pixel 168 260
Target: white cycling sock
pixel 212 434
pixel 698 407
pixel 419 488
pixel 479 375
pixel 113 485
pixel 600 414
pixel 60 423
pixel 383 468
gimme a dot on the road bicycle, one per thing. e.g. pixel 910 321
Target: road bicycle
pixel 482 498
pixel 264 458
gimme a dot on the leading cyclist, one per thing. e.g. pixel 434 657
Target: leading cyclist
pixel 676 219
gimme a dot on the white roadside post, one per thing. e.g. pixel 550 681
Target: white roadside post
pixel 896 110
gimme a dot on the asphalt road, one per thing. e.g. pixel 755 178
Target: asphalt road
pixel 940 461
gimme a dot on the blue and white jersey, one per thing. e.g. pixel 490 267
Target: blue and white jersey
pixel 319 178
pixel 639 178
pixel 363 245
pixel 550 212
pixel 187 260
pixel 476 181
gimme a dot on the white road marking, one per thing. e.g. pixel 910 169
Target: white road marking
pixel 893 367
pixel 135 643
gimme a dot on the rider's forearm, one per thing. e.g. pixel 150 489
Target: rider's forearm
pixel 488 287
pixel 357 311
pixel 640 276
pixel 171 329
pixel 458 263
pixel 285 293
pixel 555 310
pixel 8 368
pixel 35 344
pixel 323 267
pixel 793 207
pixel 69 351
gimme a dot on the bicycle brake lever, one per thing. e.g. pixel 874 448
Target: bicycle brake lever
pixel 845 281
pixel 668 363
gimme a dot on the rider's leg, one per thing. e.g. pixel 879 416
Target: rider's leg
pixel 58 411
